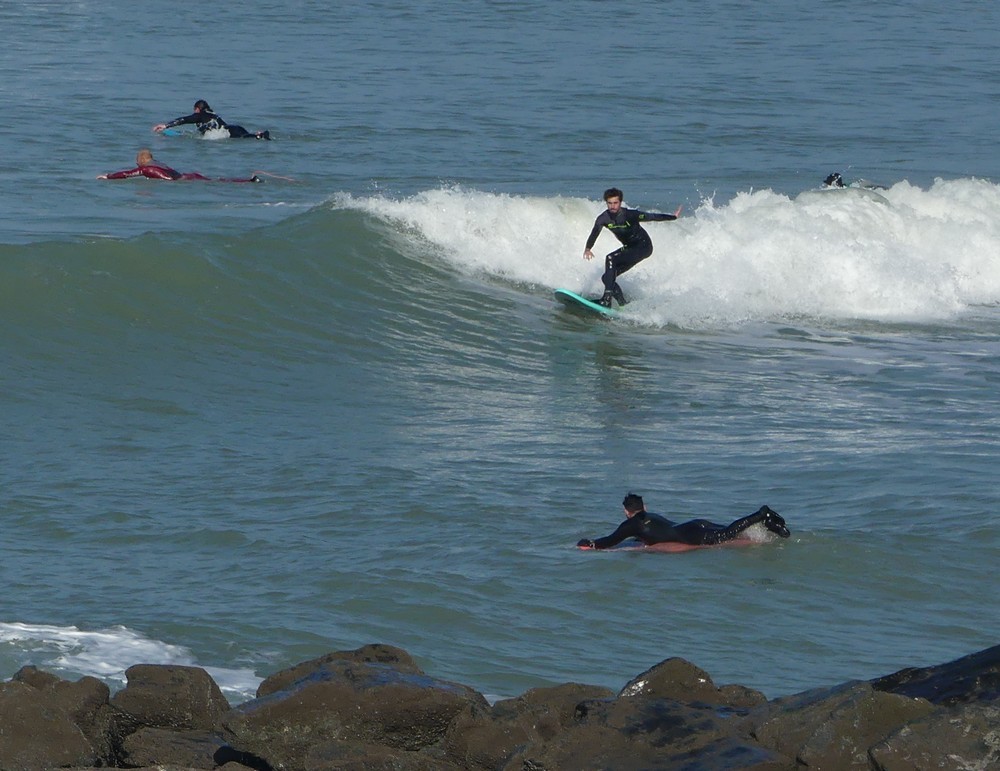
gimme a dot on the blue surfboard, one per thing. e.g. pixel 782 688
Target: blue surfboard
pixel 577 302
pixel 172 132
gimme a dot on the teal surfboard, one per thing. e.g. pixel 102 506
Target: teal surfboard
pixel 576 302
pixel 172 132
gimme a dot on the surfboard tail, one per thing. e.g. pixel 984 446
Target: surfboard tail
pixel 578 302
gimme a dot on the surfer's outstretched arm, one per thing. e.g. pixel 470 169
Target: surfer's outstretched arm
pixel 628 529
pixel 182 121
pixel 645 216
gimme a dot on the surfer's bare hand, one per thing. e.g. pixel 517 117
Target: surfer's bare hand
pixel 587 254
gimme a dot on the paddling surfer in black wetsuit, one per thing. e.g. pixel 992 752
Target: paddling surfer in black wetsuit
pixel 653 529
pixel 636 245
pixel 206 120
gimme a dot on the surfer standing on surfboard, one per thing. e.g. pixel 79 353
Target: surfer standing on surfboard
pixel 653 528
pixel 206 120
pixel 636 244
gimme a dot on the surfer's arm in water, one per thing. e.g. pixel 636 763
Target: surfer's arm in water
pixel 630 528
pixel 642 525
pixel 203 119
pixel 195 117
pixel 126 174
pixel 148 171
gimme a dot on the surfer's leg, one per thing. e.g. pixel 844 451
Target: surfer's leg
pixel 628 257
pixel 610 269
pixel 608 279
pixel 765 514
pixel 697 532
pixel 619 262
pixel 773 521
pixel 238 132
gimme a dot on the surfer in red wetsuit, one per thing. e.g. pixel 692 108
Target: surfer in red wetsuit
pixel 145 166
pixel 636 245
pixel 653 529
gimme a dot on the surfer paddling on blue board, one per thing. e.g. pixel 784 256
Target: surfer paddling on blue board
pixel 654 529
pixel 145 166
pixel 636 244
pixel 206 120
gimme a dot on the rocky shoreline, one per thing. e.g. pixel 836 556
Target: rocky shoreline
pixel 374 709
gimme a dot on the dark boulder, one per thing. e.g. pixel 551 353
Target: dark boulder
pixel 38 733
pixel 682 681
pixel 169 696
pixel 375 653
pixel 658 733
pixel 834 727
pixel 480 738
pixel 342 699
pixel 85 702
pixel 962 737
pixel 352 756
pixel 971 678
pixel 166 747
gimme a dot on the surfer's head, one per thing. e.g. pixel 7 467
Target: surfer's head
pixel 202 106
pixel 144 157
pixel 633 504
pixel 834 180
pixel 613 198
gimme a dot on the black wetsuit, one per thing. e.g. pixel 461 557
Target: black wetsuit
pixel 636 245
pixel 209 121
pixel 653 528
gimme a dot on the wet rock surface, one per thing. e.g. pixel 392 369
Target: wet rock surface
pixel 373 708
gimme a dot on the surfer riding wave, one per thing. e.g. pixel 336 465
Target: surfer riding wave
pixel 636 244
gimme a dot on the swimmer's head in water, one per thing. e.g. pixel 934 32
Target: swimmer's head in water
pixel 144 157
pixel 202 106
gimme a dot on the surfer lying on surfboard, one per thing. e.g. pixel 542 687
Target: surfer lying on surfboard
pixel 206 121
pixel 636 245
pixel 654 529
pixel 145 166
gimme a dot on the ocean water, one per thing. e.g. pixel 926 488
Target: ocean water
pixel 245 425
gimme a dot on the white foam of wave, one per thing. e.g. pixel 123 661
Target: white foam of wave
pixel 901 254
pixel 71 653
